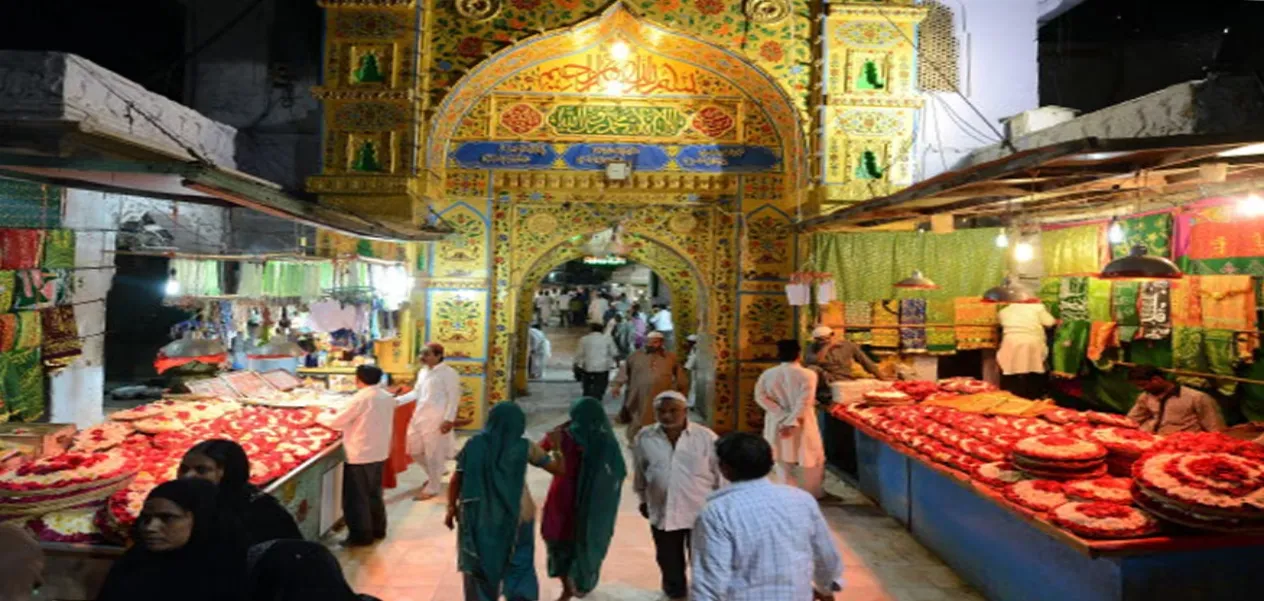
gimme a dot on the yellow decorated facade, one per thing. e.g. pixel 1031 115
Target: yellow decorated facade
pixel 501 116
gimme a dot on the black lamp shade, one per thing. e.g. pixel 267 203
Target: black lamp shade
pixel 1010 292
pixel 1140 265
pixel 917 281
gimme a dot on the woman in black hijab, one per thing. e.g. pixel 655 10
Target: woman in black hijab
pixel 224 464
pixel 291 570
pixel 185 548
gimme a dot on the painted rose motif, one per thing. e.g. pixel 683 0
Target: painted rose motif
pixel 771 51
pixel 470 47
pixel 712 122
pixel 709 7
pixel 525 4
pixel 521 118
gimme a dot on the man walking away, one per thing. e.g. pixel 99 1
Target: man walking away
pixel 676 469
pixel 539 351
pixel 431 442
pixel 365 424
pixel 757 541
pixel 662 322
pixel 787 394
pixel 544 307
pixel 595 359
pixel 646 374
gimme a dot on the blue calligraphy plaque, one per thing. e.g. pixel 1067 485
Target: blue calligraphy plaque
pixel 727 158
pixel 595 157
pixel 505 155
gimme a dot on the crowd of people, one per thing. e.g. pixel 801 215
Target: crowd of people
pixel 213 535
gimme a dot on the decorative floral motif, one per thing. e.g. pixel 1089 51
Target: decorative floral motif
pixel 525 4
pixel 470 47
pixel 771 51
pixel 709 7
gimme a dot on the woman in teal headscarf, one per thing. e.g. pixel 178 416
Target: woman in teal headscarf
pixel 488 496
pixel 580 510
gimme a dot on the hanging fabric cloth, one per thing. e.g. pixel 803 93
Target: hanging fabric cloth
pixel 913 312
pixel 976 324
pixel 1152 231
pixel 1228 302
pixel 21 249
pixel 1070 346
pixel 941 338
pixel 61 345
pixel 1050 294
pixel 1188 354
pixel 1220 346
pixel 1124 296
pixel 886 314
pixel 1155 306
pixel 59 249
pixel 22 385
pixel 1073 299
pixel 1099 292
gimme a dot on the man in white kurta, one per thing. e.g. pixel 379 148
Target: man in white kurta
pixel 539 351
pixel 431 442
pixel 788 395
pixel 544 306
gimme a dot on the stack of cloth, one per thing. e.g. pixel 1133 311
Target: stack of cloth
pixel 976 324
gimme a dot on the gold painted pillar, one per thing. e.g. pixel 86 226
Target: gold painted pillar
pixel 871 98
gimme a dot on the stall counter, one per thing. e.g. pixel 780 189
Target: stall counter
pixel 312 493
pixel 1011 555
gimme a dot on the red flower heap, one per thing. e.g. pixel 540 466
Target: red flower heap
pixel 1036 495
pixel 1110 419
pixel 1107 490
pixel 1060 457
pixel 1104 520
pixel 1125 445
pixel 1205 490
pixel 998 474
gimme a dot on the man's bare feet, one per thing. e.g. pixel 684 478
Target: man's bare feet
pixel 568 591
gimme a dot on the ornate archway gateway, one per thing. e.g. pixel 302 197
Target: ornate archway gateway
pixel 515 158
pixel 689 294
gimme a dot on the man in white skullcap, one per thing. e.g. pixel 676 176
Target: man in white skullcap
pixel 646 374
pixel 675 469
pixel 832 360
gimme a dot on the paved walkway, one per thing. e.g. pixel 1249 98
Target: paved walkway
pixel 417 561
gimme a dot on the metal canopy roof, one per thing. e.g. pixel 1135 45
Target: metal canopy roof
pixel 1067 177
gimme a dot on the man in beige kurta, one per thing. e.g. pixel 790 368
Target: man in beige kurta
pixel 646 373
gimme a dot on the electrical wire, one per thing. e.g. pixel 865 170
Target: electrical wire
pixel 1004 141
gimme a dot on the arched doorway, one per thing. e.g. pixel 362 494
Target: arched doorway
pixel 706 141
pixel 689 298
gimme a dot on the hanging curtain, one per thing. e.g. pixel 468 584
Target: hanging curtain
pixel 865 266
pixel 59 249
pixel 250 282
pixel 1124 308
pixel 1099 299
pixel 197 277
pixel 1228 302
pixel 1072 250
pixel 1050 294
pixel 1151 231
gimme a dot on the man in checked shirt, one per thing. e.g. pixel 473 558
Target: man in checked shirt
pixel 759 541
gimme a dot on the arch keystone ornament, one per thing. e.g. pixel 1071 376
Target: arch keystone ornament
pixel 767 12
pixel 477 10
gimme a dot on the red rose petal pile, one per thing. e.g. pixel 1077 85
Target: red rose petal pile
pixel 1105 490
pixel 118 466
pixel 1104 520
pixel 1204 490
pixel 1125 445
pixel 1037 495
pixel 1060 457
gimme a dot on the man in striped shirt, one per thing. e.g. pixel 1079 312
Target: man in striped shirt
pixel 759 541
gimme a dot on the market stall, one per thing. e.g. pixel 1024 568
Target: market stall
pixel 1027 501
pixel 81 500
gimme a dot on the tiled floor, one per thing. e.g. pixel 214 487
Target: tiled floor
pixel 417 561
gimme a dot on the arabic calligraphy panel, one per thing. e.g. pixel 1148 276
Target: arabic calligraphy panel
pixel 553 118
pixel 597 72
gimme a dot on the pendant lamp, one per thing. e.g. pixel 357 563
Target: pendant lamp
pixel 1140 265
pixel 917 281
pixel 188 347
pixel 1010 292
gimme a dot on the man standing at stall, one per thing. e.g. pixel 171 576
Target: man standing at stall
pixel 787 394
pixel 1165 407
pixel 832 360
pixel 646 374
pixel 431 441
pixel 365 423
pixel 675 469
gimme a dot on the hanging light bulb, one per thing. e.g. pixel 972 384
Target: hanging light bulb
pixel 1002 241
pixel 1023 252
pixel 1251 206
pixel 1116 232
pixel 172 287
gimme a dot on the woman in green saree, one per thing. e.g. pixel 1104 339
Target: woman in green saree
pixel 488 497
pixel 580 510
